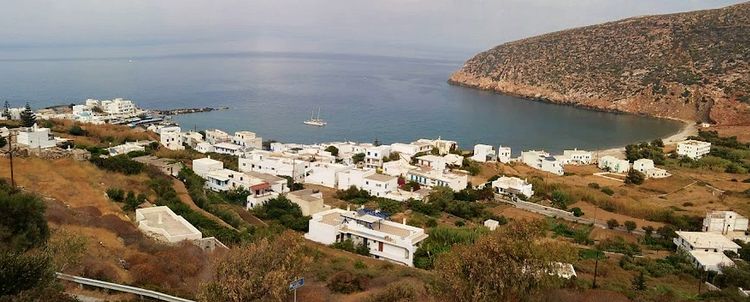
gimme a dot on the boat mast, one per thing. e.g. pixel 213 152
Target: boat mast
pixel 318 113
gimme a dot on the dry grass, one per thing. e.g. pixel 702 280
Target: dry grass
pixel 741 132
pixel 102 135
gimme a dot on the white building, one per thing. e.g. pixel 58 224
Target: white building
pixel 613 164
pixel 228 148
pixel 578 157
pixel 409 150
pixel 163 224
pixel 127 147
pixel 325 174
pixel 378 185
pixel 513 187
pixel 374 156
pixel 706 250
pixel 443 146
pixel 191 138
pixel 432 161
pixel 215 136
pixel 646 166
pixel 204 147
pixel 226 179
pixel 118 107
pixel 397 168
pixel 693 149
pixel 727 223
pixel 430 178
pixel 484 153
pixel 385 239
pixel 273 163
pixel 35 137
pixel 542 161
pixel 453 160
pixel 504 154
pixel 309 201
pixel 170 138
pixel 247 140
pixel 202 166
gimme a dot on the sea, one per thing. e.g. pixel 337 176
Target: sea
pixel 363 98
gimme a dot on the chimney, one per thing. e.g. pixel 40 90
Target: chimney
pixel 159 218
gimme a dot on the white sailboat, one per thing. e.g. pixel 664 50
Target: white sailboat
pixel 315 121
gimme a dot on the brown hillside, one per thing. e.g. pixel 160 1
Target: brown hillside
pixel 689 66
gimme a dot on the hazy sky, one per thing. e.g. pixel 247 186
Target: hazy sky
pixel 451 29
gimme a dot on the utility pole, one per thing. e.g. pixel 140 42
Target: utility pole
pixel 596 269
pixel 10 151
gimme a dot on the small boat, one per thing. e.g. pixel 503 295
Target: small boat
pixel 315 121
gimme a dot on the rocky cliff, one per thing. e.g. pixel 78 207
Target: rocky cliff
pixel 689 66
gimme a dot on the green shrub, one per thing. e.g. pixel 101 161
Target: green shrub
pixel 394 292
pixel 116 194
pixel 594 185
pixel 613 223
pixel 635 177
pixel 120 163
pixel 577 212
pixel 608 191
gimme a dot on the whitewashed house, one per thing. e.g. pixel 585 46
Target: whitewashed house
pixel 374 156
pixel 504 154
pixel 202 166
pixel 118 107
pixel 191 138
pixel 453 160
pixel 727 223
pixel 613 164
pixel 215 136
pixel 385 239
pixel 646 166
pixel 325 174
pixel 428 177
pixel 443 146
pixel 309 201
pixel 484 153
pixel 541 160
pixel 170 138
pixel 578 157
pixel 264 187
pixel 228 148
pixel 35 137
pixel 409 150
pixel 163 224
pixel 397 168
pixel 127 147
pixel 273 163
pixel 693 148
pixel 512 187
pixel 706 250
pixel 432 161
pixel 378 185
pixel 204 147
pixel 247 140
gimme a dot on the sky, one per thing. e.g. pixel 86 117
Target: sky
pixel 446 29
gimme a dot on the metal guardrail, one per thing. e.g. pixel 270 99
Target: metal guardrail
pixel 121 288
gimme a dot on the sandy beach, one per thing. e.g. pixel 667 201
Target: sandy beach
pixel 689 128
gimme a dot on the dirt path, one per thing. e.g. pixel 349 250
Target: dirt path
pixel 182 193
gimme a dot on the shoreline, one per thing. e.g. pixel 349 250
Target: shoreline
pixel 689 128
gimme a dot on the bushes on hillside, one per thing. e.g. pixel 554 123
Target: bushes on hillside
pixel 285 212
pixel 349 246
pixel 645 150
pixel 441 240
pixel 346 282
pixel 353 194
pixel 121 163
pixel 635 177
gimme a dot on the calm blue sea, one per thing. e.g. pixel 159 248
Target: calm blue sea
pixel 363 98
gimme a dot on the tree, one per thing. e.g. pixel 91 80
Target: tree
pixel 358 158
pixel 260 271
pixel 6 110
pixel 333 150
pixel 635 177
pixel 577 212
pixel 510 264
pixel 639 282
pixel 22 222
pixel 613 223
pixel 28 117
pixel 629 225
pixel 76 130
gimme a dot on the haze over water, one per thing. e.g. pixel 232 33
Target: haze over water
pixel 274 61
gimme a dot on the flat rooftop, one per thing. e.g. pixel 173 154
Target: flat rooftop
pixel 380 177
pixel 707 240
pixel 265 176
pixel 169 222
pixel 306 194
